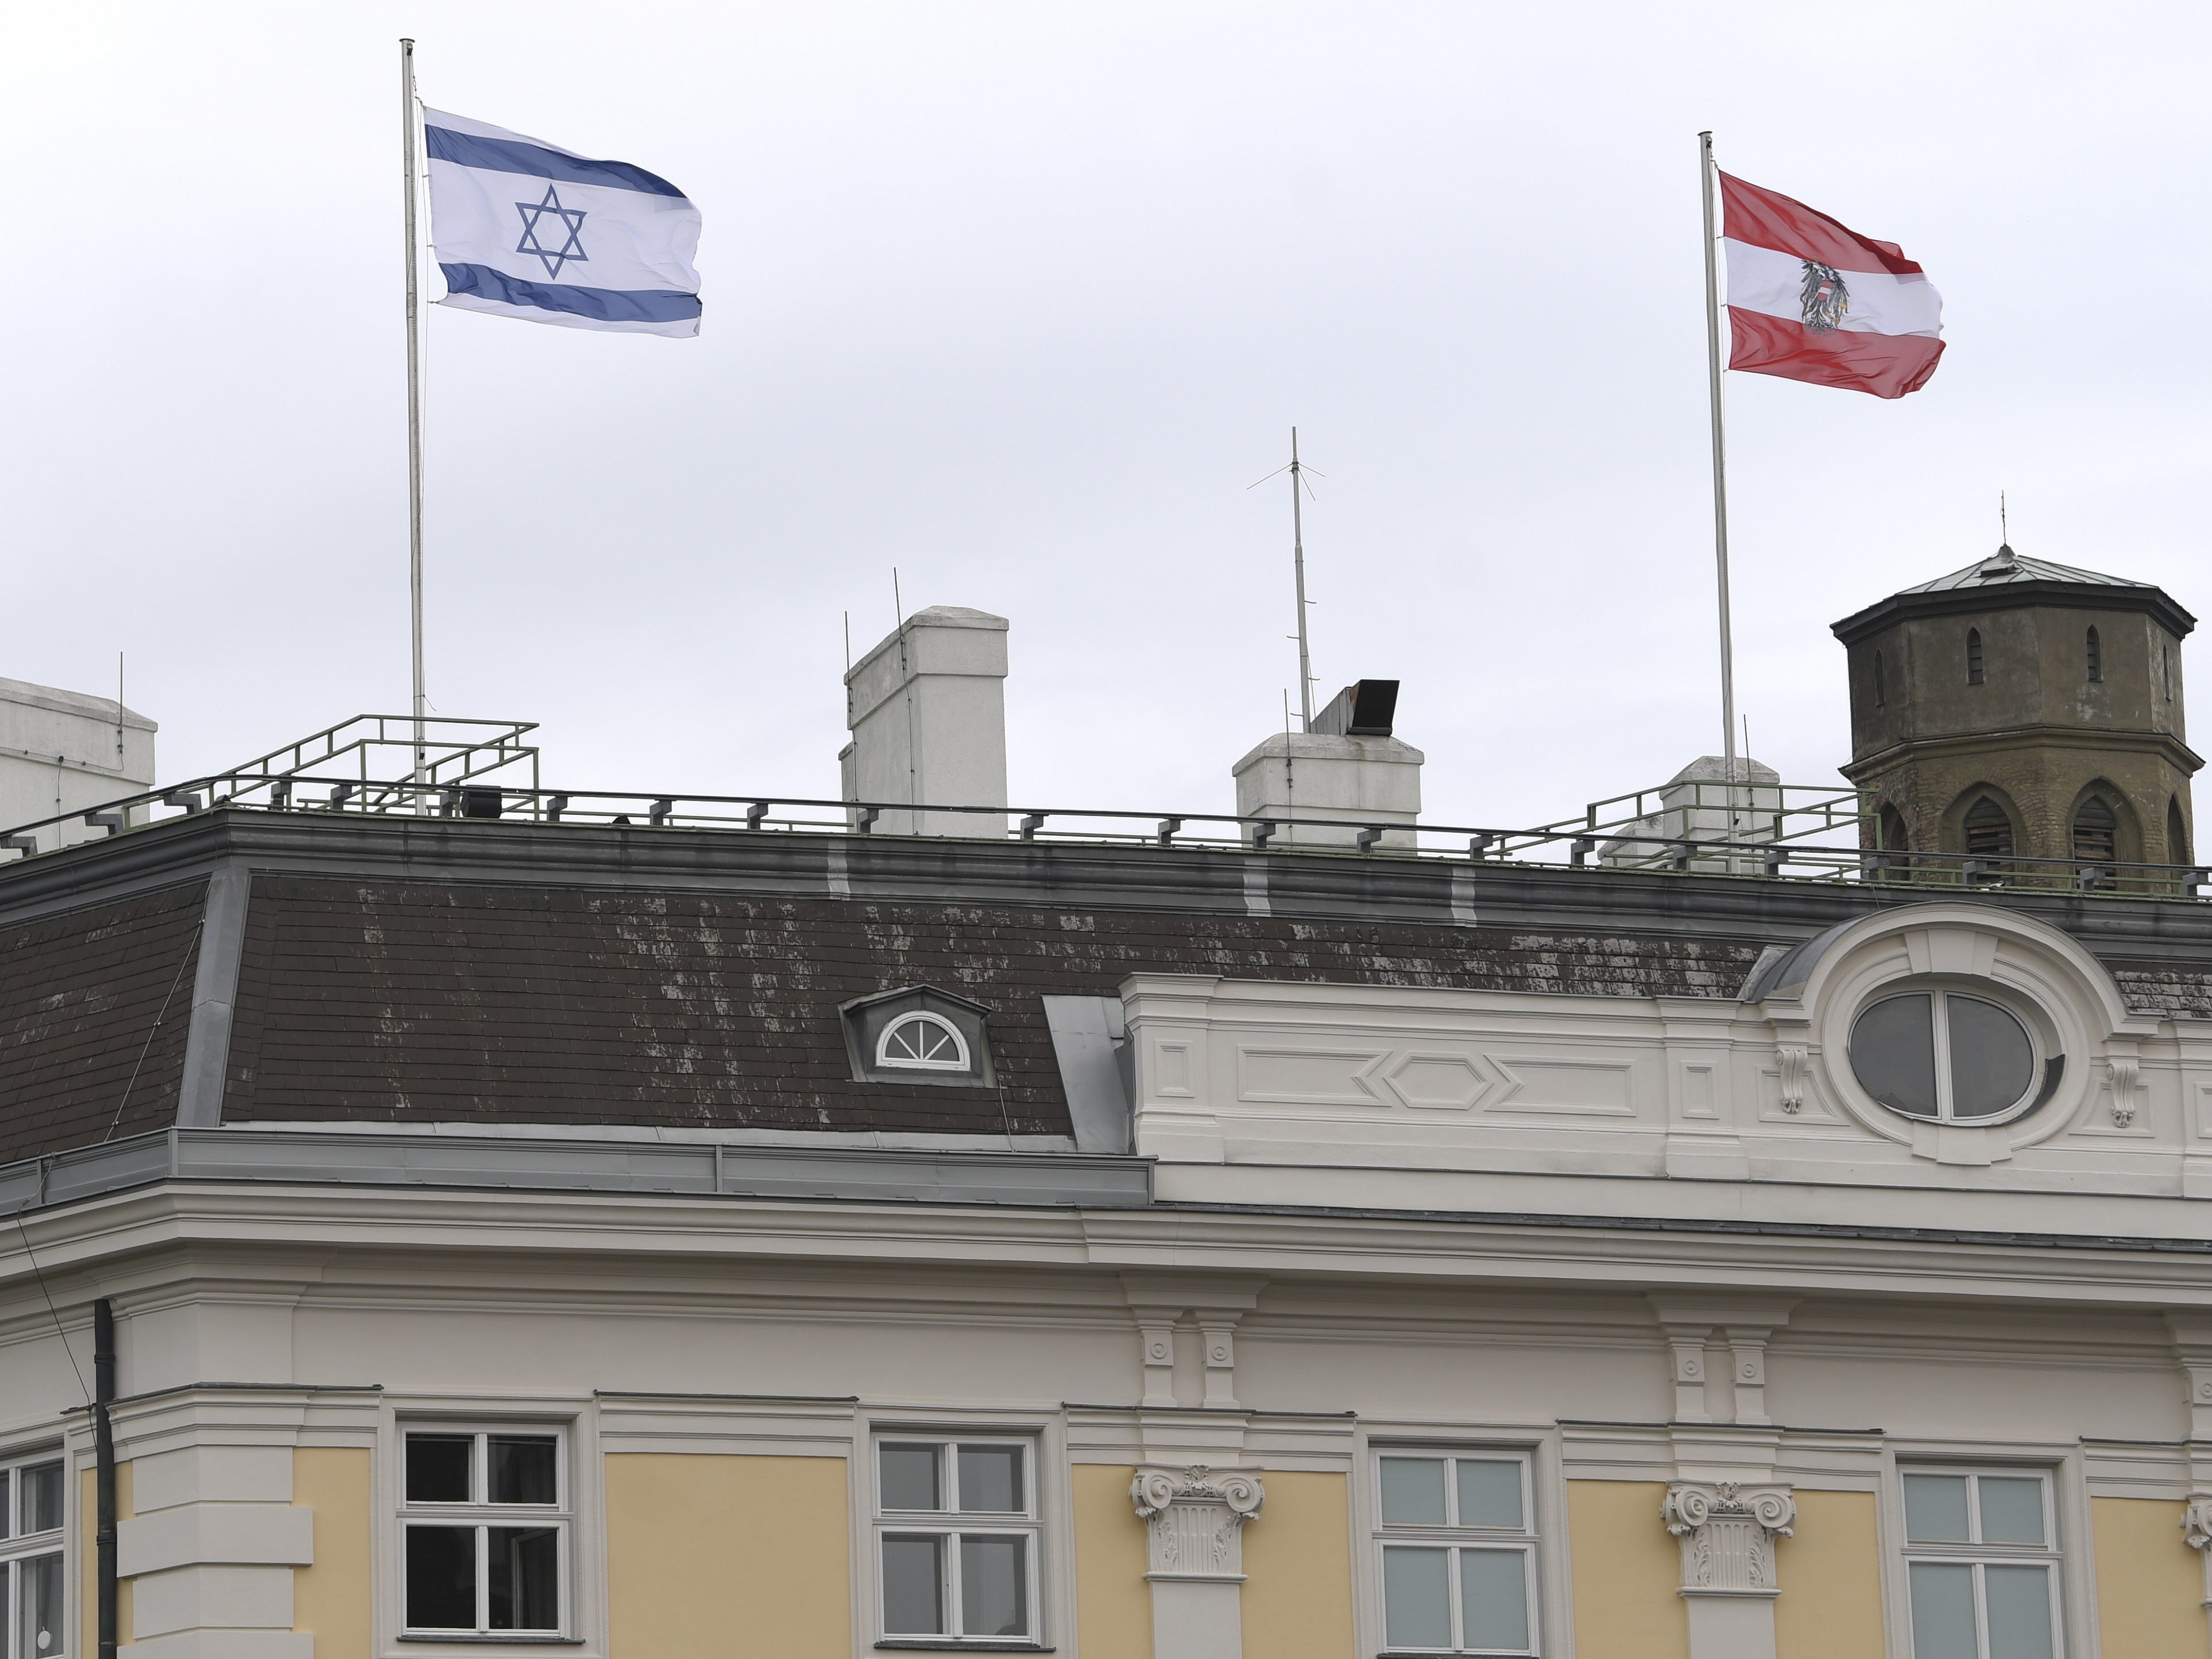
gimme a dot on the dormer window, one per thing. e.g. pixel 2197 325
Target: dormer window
pixel 922 1042
pixel 1974 676
pixel 2096 657
pixel 919 1034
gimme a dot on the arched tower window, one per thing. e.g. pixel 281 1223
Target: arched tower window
pixel 1973 656
pixel 1890 823
pixel 2096 831
pixel 2177 834
pixel 2096 657
pixel 2165 673
pixel 1989 831
pixel 1877 679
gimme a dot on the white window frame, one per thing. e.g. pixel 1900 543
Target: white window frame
pixel 1452 1536
pixel 1939 992
pixel 18 1548
pixel 889 1061
pixel 482 1514
pixel 2050 1555
pixel 951 1524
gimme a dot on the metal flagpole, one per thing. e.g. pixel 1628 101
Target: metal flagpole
pixel 1298 563
pixel 413 164
pixel 1720 464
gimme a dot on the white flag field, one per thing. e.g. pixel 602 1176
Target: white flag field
pixel 525 228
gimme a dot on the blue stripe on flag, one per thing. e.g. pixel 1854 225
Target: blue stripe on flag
pixel 605 305
pixel 505 155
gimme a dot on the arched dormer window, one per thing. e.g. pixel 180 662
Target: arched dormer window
pixel 2096 657
pixel 1989 830
pixel 922 1042
pixel 1974 676
pixel 1877 679
pixel 919 1034
pixel 2096 831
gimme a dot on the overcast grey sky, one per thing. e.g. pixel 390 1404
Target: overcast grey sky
pixel 1020 298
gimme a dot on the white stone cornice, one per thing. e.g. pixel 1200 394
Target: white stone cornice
pixel 1194 1520
pixel 1728 1533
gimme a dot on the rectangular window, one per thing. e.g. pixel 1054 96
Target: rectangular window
pixel 956 1539
pixel 1456 1531
pixel 31 1558
pixel 484 1518
pixel 1982 1564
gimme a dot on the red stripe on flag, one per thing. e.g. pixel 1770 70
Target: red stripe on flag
pixel 1767 218
pixel 1886 365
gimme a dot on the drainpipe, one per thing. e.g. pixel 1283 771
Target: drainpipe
pixel 103 1452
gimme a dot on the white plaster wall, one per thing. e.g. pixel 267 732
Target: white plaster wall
pixel 927 709
pixel 58 754
pixel 1314 774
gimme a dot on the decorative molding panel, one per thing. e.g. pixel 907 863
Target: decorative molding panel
pixel 2126 1071
pixel 1728 1534
pixel 1194 1520
pixel 1793 1061
pixel 2196 1522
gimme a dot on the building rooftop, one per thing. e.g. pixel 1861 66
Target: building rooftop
pixel 2007 579
pixel 2006 565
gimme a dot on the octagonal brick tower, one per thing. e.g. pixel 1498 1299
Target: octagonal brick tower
pixel 2025 708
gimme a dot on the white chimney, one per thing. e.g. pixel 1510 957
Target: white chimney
pixel 1347 767
pixel 63 752
pixel 928 711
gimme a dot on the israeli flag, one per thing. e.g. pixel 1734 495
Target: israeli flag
pixel 525 228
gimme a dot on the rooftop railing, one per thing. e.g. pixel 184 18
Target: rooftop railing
pixel 483 770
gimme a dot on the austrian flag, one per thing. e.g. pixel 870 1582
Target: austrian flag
pixel 1810 300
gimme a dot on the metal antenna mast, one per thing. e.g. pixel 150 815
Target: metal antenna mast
pixel 1298 563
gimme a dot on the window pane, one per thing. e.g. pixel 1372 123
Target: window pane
pixel 1489 1492
pixel 1494 1599
pixel 1935 1508
pixel 441 1577
pixel 991 1480
pixel 1414 1492
pixel 1992 1062
pixel 42 1497
pixel 2012 1509
pixel 994 1587
pixel 524 1563
pixel 1893 1053
pixel 38 1589
pixel 2019 1612
pixel 7 1514
pixel 910 1477
pixel 913 1586
pixel 520 1469
pixel 437 1471
pixel 1416 1598
pixel 1942 1612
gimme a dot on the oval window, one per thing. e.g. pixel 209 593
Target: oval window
pixel 926 1042
pixel 1947 1056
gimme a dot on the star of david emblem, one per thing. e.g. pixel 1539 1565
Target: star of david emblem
pixel 567 222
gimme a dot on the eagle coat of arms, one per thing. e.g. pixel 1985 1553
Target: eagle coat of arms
pixel 1823 297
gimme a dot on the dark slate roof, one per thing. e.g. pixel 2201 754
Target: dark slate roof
pixel 2007 565
pixel 87 1050
pixel 407 1002
pixel 2005 579
pixel 409 970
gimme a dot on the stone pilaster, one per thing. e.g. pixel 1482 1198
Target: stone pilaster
pixel 1195 1520
pixel 1727 1532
